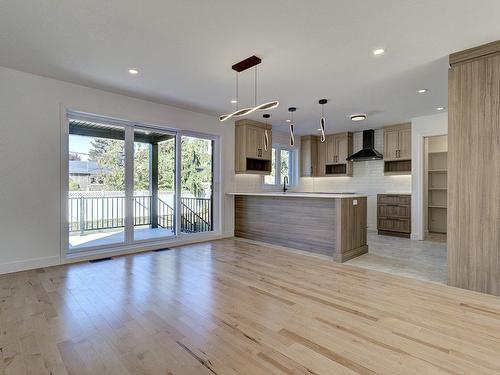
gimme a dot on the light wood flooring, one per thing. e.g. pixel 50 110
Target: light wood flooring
pixel 233 307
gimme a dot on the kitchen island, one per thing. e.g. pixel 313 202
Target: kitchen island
pixel 322 223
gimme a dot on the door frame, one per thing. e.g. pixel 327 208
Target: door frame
pixel 129 245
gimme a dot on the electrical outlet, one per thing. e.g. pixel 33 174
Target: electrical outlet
pixel 354 202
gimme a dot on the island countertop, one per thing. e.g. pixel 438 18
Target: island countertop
pixel 298 194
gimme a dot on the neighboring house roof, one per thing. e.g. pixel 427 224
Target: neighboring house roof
pixel 85 167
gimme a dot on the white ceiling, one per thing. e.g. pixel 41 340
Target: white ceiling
pixel 310 49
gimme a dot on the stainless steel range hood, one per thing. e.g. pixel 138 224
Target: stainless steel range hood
pixel 368 152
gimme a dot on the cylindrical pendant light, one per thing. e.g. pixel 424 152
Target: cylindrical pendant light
pixel 292 125
pixel 322 120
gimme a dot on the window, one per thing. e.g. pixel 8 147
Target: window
pixel 283 161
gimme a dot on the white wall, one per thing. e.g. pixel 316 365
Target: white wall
pixel 30 136
pixel 425 126
pixel 368 178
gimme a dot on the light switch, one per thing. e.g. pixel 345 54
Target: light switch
pixel 354 202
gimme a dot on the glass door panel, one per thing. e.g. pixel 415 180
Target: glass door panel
pixel 96 199
pixel 196 202
pixel 154 184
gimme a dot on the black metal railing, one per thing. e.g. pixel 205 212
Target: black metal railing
pixel 196 215
pixel 100 213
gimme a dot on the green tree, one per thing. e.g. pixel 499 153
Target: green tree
pixel 110 156
pixel 196 168
pixel 196 165
pixel 73 186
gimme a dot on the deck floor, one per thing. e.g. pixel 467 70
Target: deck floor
pixel 233 307
pixel 117 236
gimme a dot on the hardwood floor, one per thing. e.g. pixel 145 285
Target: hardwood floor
pixel 232 307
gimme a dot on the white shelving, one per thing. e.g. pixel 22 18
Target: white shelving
pixel 437 191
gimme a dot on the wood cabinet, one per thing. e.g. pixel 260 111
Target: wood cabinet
pixel 397 149
pixel 251 155
pixel 308 156
pixel 338 148
pixel 394 214
pixel 474 169
pixel 320 159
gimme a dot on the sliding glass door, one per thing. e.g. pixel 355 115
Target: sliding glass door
pixel 154 184
pixel 131 183
pixel 196 185
pixel 96 184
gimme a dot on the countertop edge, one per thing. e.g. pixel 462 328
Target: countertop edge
pixel 300 195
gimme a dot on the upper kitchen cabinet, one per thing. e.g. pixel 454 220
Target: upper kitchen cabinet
pixel 397 149
pixel 338 148
pixel 253 147
pixel 309 156
pixel 320 159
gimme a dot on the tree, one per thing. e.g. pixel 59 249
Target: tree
pixel 196 168
pixel 196 165
pixel 73 186
pixel 110 156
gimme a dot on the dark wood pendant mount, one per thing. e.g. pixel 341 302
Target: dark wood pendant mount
pixel 247 64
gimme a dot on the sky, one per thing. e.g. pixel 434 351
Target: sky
pixel 80 144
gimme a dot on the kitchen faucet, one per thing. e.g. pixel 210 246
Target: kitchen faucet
pixel 285 182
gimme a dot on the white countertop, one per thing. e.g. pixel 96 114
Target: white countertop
pixel 396 193
pixel 301 195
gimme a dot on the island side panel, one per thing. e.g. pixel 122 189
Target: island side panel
pixel 351 228
pixel 300 223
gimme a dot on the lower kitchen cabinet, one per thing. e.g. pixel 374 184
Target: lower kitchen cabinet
pixel 394 214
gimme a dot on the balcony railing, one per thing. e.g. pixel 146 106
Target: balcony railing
pixel 102 213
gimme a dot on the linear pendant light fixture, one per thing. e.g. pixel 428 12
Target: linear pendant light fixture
pixel 248 63
pixel 322 120
pixel 292 125
pixel 266 133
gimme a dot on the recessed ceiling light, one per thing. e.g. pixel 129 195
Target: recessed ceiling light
pixel 358 117
pixel 234 101
pixel 439 108
pixel 422 91
pixel 133 71
pixel 379 51
pixel 288 120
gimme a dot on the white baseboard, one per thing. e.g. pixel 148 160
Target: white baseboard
pixel 24 265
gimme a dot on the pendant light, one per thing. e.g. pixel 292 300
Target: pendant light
pixel 322 120
pixel 248 63
pixel 291 126
pixel 266 134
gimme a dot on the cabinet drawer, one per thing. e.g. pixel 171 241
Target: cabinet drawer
pixel 393 210
pixel 394 225
pixel 393 199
